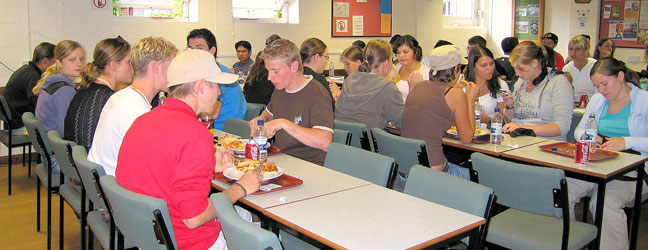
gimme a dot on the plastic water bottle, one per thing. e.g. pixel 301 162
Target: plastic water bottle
pixel 331 69
pixel 478 111
pixel 241 76
pixel 262 139
pixel 591 132
pixel 161 98
pixel 496 127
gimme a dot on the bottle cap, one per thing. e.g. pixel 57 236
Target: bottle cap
pixel 497 110
pixel 259 122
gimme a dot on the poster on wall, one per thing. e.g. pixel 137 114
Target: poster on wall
pixel 625 22
pixel 363 18
pixel 528 18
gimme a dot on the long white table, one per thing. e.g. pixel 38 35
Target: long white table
pixel 318 181
pixel 508 143
pixel 374 217
pixel 599 172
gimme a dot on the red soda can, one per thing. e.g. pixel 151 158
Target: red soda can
pixel 581 155
pixel 252 150
pixel 583 101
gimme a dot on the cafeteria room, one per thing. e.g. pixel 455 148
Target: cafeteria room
pixel 376 155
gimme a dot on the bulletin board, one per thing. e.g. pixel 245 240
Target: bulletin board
pixel 528 19
pixel 361 18
pixel 625 22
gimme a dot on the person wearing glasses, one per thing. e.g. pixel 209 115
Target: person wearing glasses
pixel 314 56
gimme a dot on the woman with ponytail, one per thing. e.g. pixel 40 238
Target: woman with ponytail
pixel 56 87
pixel 99 80
pixel 542 98
pixel 367 96
pixel 621 109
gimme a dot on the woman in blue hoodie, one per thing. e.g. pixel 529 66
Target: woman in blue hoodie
pixel 56 87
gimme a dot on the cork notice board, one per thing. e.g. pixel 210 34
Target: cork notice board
pixel 625 22
pixel 361 18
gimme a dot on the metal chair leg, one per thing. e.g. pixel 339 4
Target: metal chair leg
pixel 61 220
pixel 38 206
pixel 29 164
pixel 9 167
pixel 23 163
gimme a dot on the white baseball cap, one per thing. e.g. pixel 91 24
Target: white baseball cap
pixel 194 65
pixel 444 57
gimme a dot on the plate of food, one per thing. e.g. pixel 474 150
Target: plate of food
pixel 236 144
pixel 478 132
pixel 269 169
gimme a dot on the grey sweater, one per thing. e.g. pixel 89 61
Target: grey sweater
pixel 370 99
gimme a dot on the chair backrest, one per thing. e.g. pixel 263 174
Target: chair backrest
pixel 253 110
pixel 360 135
pixel 239 233
pixel 539 190
pixel 342 136
pixel 5 113
pixel 60 148
pixel 142 219
pixel 362 164
pixel 37 134
pixel 237 127
pixel 576 118
pixel 85 169
pixel 451 191
pixel 406 151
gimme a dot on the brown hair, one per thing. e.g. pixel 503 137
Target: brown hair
pixel 186 89
pixel 106 51
pixel 62 50
pixel 312 46
pixel 283 50
pixel 150 49
pixel 353 53
pixel 376 52
pixel 445 75
pixel 610 66
pixel 257 70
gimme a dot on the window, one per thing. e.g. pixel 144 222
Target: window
pixel 266 11
pixel 162 9
pixel 461 12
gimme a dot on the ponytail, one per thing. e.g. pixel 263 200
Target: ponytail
pixel 610 66
pixel 376 52
pixel 364 67
pixel 89 74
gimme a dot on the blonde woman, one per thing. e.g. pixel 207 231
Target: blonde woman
pixel 542 99
pixel 580 66
pixel 56 87
pixel 367 96
pixel 99 79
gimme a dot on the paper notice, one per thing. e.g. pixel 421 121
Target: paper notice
pixel 361 1
pixel 607 9
pixel 630 30
pixel 342 26
pixel 631 10
pixel 358 25
pixel 643 13
pixel 615 30
pixel 385 23
pixel 340 9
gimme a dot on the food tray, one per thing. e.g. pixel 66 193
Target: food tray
pixel 480 139
pixel 568 149
pixel 285 181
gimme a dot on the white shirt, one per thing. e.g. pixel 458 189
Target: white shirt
pixel 119 113
pixel 403 85
pixel 489 103
pixel 581 78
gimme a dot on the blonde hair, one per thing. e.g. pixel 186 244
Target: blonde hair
pixel 582 43
pixel 283 50
pixel 106 51
pixel 376 52
pixel 150 49
pixel 527 51
pixel 62 50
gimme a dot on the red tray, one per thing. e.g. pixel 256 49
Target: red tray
pixel 285 181
pixel 568 149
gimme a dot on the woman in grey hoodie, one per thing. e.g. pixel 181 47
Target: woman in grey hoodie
pixel 367 96
pixel 56 87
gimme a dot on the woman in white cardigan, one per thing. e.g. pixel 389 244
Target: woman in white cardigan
pixel 621 110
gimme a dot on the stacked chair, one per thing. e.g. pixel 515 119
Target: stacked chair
pixel 11 140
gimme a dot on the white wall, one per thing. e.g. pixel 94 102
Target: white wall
pixel 55 20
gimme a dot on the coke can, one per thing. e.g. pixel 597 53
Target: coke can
pixel 583 101
pixel 582 153
pixel 252 150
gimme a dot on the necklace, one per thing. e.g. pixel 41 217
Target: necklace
pixel 99 79
pixel 141 94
